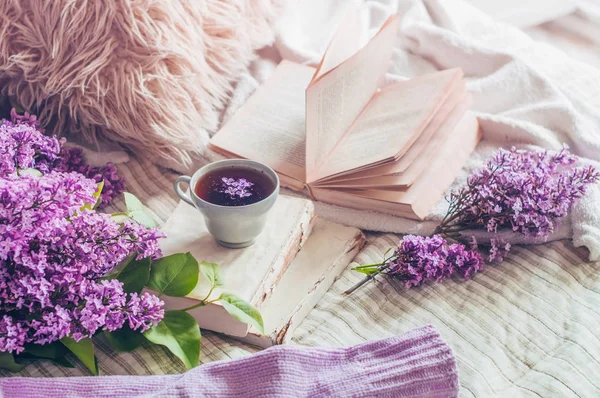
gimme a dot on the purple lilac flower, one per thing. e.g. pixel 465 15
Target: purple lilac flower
pixel 236 187
pixel 466 262
pixel 72 159
pixel 522 190
pixel 528 192
pixel 26 118
pixel 23 145
pixel 52 255
pixel 144 311
pixel 12 335
pixel 498 250
pixel 420 259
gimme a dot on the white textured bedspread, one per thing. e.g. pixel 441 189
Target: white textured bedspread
pixel 526 327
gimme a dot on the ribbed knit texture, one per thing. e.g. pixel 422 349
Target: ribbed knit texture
pixel 415 364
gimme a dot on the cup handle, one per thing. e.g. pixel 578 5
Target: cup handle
pixel 185 197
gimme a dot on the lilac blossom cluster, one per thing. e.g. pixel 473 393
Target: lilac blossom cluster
pixel 522 190
pixel 52 256
pixel 526 192
pixel 72 159
pixel 24 145
pixel 420 259
pixel 236 187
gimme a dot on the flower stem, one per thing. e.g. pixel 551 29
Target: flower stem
pixel 209 293
pixel 359 284
pixel 200 304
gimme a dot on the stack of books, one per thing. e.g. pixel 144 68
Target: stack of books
pixel 284 274
pixel 338 133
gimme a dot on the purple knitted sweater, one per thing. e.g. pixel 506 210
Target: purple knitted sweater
pixel 415 364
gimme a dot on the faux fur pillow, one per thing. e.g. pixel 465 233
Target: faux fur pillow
pixel 150 74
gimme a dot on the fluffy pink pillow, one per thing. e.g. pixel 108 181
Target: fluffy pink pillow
pixel 150 74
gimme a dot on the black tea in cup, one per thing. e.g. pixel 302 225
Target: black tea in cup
pixel 234 186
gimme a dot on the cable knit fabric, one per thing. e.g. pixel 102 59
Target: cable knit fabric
pixel 415 364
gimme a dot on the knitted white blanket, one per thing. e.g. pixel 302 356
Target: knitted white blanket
pixel 526 93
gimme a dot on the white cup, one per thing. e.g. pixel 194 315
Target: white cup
pixel 232 226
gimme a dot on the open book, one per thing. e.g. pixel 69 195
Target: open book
pixel 337 132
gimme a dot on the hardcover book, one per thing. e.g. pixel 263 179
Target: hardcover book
pixel 292 264
pixel 338 133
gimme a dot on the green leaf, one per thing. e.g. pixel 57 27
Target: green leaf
pixel 54 351
pixel 180 333
pixel 138 211
pixel 115 272
pixel 48 351
pixel 370 269
pixel 242 310
pixel 7 362
pixel 212 273
pixel 92 206
pixel 31 172
pixel 175 275
pixel 84 351
pixel 120 217
pixel 135 275
pixel 99 189
pixel 63 362
pixel 124 340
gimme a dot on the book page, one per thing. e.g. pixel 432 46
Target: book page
pixel 401 180
pixel 269 127
pixel 392 122
pixel 429 188
pixel 416 156
pixel 335 99
pixel 344 44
